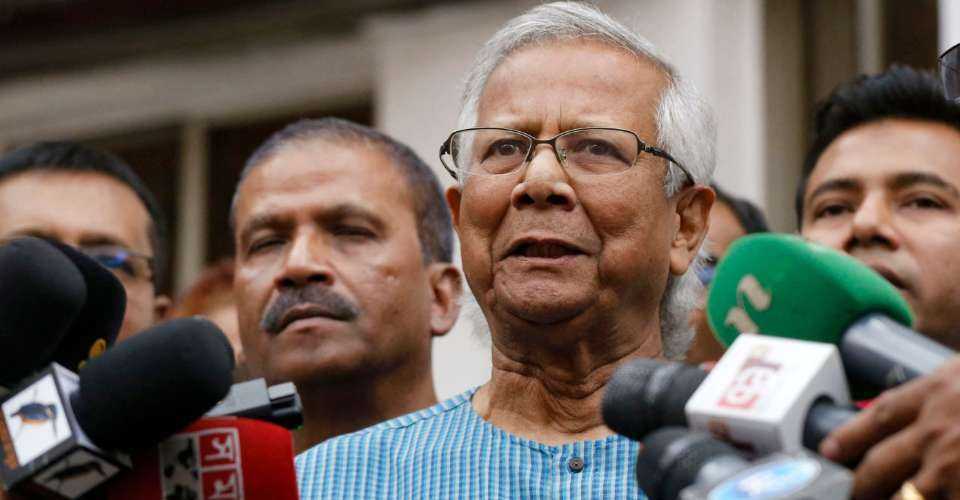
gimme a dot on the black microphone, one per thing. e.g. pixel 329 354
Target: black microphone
pixel 648 394
pixel 41 294
pixel 278 404
pixel 62 434
pixel 98 324
pixel 676 463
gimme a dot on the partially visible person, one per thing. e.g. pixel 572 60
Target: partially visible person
pixel 730 219
pixel 211 296
pixel 882 183
pixel 92 200
pixel 343 273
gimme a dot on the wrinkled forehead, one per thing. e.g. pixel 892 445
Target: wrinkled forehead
pixel 301 177
pixel 570 83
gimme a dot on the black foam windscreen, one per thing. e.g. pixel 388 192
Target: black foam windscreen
pixel 672 457
pixel 646 394
pixel 41 294
pixel 98 324
pixel 153 384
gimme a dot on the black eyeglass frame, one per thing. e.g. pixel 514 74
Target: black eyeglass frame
pixel 90 251
pixel 642 147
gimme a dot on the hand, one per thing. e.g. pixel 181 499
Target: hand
pixel 910 433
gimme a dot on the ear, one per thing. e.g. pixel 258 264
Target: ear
pixel 453 201
pixel 446 286
pixel 161 307
pixel 693 219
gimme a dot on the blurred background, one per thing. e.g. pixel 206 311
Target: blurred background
pixel 184 90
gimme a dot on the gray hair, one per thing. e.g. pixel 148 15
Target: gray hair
pixel 685 122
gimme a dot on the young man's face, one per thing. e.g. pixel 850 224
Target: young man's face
pixel 888 193
pixel 87 210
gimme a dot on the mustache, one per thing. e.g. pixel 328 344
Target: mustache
pixel 321 301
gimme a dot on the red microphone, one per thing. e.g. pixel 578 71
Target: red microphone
pixel 222 458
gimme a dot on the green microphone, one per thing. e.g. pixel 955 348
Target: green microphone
pixel 784 286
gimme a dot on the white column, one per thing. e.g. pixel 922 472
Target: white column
pixel 869 36
pixel 191 229
pixel 949 23
pixel 421 60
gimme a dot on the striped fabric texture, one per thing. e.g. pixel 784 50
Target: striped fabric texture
pixel 449 452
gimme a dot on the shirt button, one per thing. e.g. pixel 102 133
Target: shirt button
pixel 575 464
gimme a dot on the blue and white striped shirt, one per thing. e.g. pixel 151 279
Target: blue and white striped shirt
pixel 449 451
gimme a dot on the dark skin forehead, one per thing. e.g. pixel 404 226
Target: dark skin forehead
pixel 367 181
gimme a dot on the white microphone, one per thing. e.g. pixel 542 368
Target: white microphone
pixel 760 393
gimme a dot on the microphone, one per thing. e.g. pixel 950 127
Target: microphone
pixel 61 431
pixel 98 324
pixel 279 404
pixel 41 294
pixel 677 463
pixel 647 394
pixel 223 458
pixel 783 286
pixel 765 394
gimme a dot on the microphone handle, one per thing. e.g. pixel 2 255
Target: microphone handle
pixel 881 352
pixel 824 416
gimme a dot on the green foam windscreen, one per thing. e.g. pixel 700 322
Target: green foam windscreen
pixel 784 286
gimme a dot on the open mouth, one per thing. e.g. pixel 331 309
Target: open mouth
pixel 543 249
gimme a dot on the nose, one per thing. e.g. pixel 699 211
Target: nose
pixel 545 184
pixel 306 262
pixel 872 225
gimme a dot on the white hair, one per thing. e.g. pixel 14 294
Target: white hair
pixel 685 125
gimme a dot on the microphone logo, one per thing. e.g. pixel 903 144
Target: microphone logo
pixel 98 347
pixel 753 381
pixel 35 419
pixel 749 290
pixel 202 464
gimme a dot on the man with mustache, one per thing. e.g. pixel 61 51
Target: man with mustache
pixel 343 273
pixel 883 184
pixel 583 162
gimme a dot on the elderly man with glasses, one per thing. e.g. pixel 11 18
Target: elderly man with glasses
pixel 583 163
pixel 92 200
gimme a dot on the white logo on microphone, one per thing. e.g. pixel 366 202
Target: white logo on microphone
pixel 759 298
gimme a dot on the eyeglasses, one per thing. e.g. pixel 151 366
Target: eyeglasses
pixel 124 263
pixel 581 151
pixel 706 270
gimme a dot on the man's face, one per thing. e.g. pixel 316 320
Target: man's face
pixel 330 279
pixel 543 249
pixel 85 210
pixel 887 194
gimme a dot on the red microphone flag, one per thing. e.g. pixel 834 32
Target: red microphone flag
pixel 223 458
